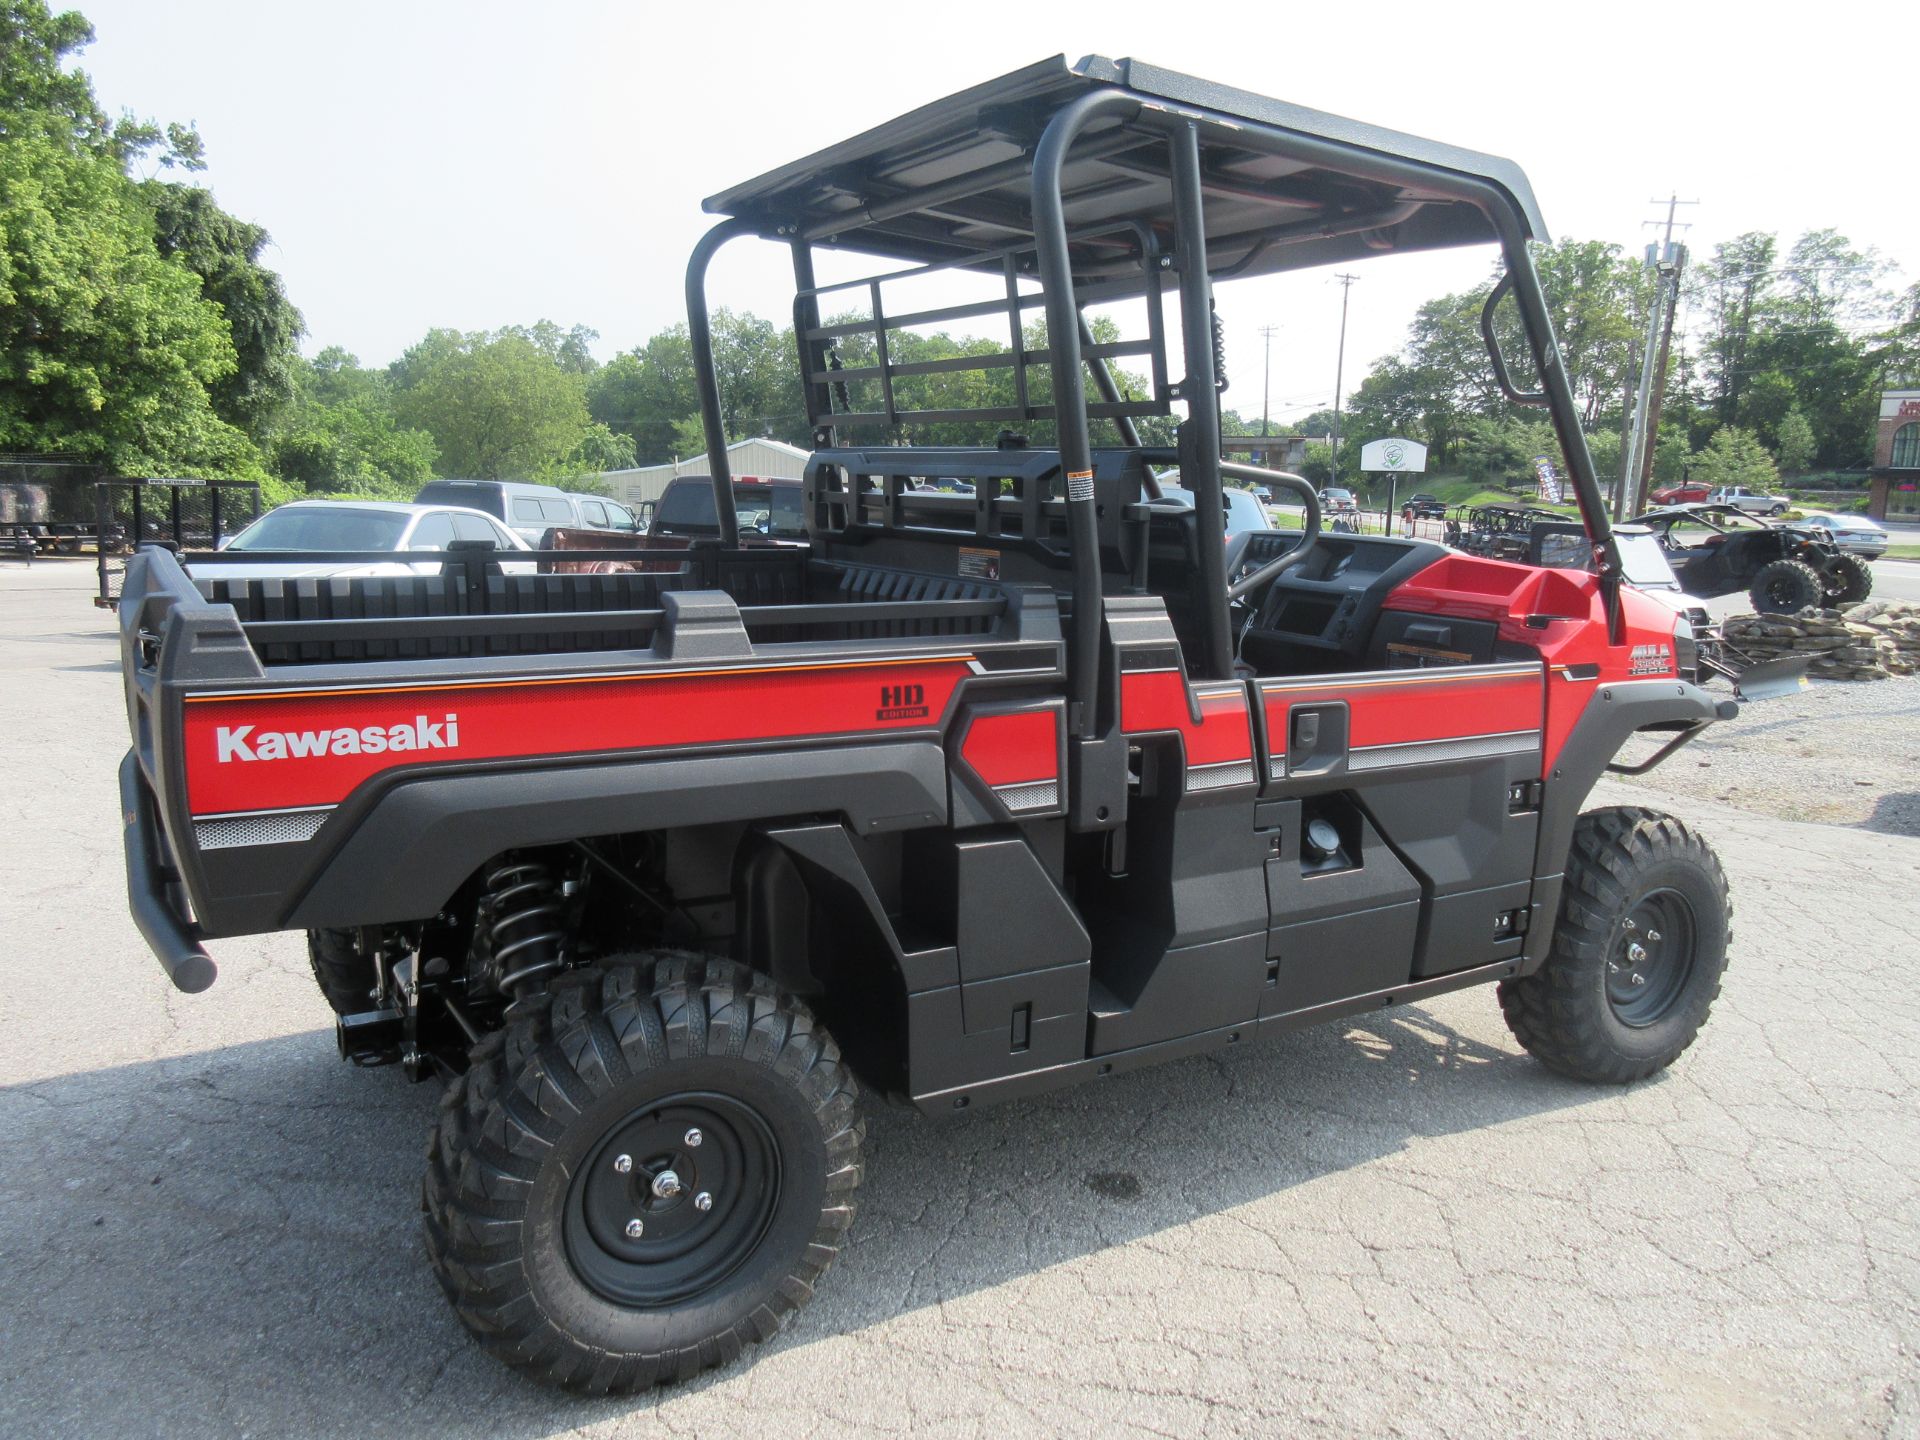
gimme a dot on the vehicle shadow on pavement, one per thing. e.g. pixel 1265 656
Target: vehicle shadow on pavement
pixel 229 1241
pixel 1895 813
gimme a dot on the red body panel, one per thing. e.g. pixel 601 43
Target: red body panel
pixel 1402 708
pixel 1019 748
pixel 1156 700
pixel 1557 614
pixel 519 718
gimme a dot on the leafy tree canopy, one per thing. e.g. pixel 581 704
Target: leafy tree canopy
pixel 1735 457
pixel 497 407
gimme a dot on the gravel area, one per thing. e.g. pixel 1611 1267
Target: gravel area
pixel 1842 752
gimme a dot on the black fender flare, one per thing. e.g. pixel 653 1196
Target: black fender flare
pixel 405 850
pixel 1615 712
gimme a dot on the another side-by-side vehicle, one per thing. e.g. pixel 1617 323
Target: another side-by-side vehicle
pixel 1022 778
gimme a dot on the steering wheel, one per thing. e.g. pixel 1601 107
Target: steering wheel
pixel 1309 531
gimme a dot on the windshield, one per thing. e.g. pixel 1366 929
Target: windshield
pixel 1643 563
pixel 774 507
pixel 323 528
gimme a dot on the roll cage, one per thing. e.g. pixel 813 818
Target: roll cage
pixel 1102 180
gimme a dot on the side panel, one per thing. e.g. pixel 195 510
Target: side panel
pixel 1397 720
pixel 1023 962
pixel 396 853
pixel 308 749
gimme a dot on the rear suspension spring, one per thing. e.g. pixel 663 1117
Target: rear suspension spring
pixel 525 929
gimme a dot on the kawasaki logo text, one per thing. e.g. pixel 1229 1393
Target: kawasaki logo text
pixel 239 742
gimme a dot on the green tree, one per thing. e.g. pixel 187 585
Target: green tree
pixel 225 254
pixel 645 393
pixel 599 449
pixel 1672 453
pixel 106 348
pixel 1735 288
pixel 35 86
pixel 1796 445
pixel 339 434
pixel 1735 457
pixel 498 409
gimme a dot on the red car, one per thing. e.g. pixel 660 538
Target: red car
pixel 1684 494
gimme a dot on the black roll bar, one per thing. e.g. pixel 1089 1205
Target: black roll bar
pixel 1069 388
pixel 1500 375
pixel 1200 436
pixel 1309 531
pixel 700 342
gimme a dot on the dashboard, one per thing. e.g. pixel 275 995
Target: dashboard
pixel 1331 603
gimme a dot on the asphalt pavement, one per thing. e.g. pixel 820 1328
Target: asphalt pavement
pixel 1401 1225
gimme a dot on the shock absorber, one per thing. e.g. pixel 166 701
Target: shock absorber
pixel 524 926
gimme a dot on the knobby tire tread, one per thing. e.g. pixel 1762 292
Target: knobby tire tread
pixel 1553 1012
pixel 561 1049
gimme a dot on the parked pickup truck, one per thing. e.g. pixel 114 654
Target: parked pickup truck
pixel 1754 502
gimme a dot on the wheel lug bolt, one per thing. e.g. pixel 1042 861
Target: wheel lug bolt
pixel 693 1139
pixel 703 1202
pixel 1653 934
pixel 635 1229
pixel 622 1164
pixel 1639 979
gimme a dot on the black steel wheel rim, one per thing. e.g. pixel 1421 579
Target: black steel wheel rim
pixel 1652 958
pixel 697 1175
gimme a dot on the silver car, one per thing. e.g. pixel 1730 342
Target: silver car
pixel 312 528
pixel 1855 534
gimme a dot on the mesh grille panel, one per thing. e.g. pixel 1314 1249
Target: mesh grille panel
pixel 1216 777
pixel 1042 795
pixel 278 829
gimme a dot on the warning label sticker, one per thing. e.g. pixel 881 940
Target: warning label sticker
pixel 980 564
pixel 1079 484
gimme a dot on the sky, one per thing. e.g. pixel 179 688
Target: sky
pixel 477 164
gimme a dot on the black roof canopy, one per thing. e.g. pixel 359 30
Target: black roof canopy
pixel 1285 187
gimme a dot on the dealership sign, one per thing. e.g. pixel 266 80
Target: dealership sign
pixel 1391 455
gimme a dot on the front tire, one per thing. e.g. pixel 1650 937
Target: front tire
pixel 1786 587
pixel 1637 954
pixel 1849 580
pixel 647 1169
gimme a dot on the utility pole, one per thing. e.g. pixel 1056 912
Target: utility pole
pixel 1638 441
pixel 1339 370
pixel 1677 258
pixel 1267 332
pixel 1660 381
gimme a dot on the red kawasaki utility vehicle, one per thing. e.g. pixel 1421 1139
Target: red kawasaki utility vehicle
pixel 970 796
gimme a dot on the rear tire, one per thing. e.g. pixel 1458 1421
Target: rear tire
pixel 567 1124
pixel 1786 587
pixel 1849 580
pixel 344 974
pixel 1637 954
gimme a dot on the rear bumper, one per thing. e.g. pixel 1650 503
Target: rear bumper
pixel 152 895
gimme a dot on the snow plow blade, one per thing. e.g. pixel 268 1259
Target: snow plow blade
pixel 1771 679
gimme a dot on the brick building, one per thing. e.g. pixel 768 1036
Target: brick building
pixel 1894 480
